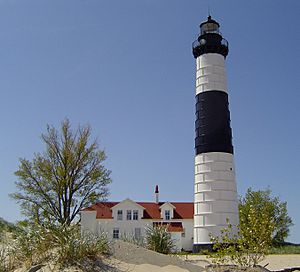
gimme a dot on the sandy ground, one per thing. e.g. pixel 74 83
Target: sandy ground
pixel 139 259
pixel 273 262
pixel 131 258
pixel 276 262
pixel 122 266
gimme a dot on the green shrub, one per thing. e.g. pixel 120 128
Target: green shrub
pixel 263 202
pixel 159 239
pixel 7 256
pixel 30 245
pixel 5 263
pixel 251 243
pixel 72 249
pixel 263 222
pixel 62 245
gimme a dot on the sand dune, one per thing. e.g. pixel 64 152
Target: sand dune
pixel 132 258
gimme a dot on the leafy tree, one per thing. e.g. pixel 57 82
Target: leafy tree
pixel 261 202
pixel 68 176
pixel 263 221
pixel 251 243
pixel 159 239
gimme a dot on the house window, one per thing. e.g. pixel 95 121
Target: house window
pixel 183 233
pixel 135 215
pixel 128 215
pixel 116 233
pixel 167 215
pixel 120 215
pixel 137 233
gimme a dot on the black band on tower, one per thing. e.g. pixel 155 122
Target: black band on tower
pixel 213 131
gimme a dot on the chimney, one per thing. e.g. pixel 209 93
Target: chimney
pixel 156 194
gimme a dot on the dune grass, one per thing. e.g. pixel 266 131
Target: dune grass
pixel 62 246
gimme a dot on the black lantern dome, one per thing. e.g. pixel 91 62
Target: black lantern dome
pixel 210 39
pixel 209 26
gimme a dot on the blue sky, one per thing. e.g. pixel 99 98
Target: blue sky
pixel 126 68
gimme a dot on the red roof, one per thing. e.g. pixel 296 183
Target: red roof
pixel 183 210
pixel 171 226
pixel 103 209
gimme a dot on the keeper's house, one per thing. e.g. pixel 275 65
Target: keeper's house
pixel 130 219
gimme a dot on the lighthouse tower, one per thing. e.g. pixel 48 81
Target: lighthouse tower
pixel 215 197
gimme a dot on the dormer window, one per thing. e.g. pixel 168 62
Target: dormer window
pixel 167 215
pixel 167 211
pixel 120 215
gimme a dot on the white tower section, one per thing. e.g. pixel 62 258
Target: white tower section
pixel 210 73
pixel 215 198
pixel 215 195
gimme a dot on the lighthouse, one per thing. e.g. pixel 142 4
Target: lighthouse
pixel 215 193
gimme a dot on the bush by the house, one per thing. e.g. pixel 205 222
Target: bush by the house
pixel 159 239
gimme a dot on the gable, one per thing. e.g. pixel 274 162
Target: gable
pixel 167 205
pixel 127 203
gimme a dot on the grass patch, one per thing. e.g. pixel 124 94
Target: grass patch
pixel 280 249
pixel 61 246
pixel 285 249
